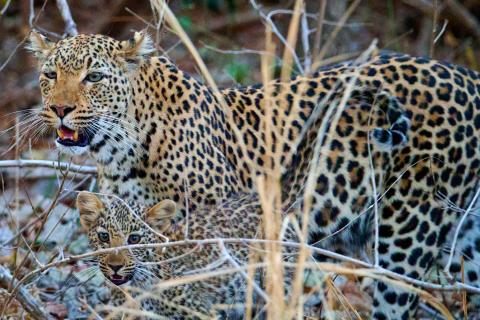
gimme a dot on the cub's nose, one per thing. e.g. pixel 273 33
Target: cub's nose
pixel 115 267
pixel 62 111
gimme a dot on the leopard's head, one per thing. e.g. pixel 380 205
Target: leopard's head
pixel 117 223
pixel 86 85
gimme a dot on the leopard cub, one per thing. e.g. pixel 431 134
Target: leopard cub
pixel 185 279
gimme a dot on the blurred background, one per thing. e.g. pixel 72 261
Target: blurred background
pixel 229 35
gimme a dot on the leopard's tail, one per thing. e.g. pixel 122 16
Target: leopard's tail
pixel 397 134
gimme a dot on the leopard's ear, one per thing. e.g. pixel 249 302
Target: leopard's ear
pixel 89 206
pixel 40 45
pixel 134 49
pixel 160 215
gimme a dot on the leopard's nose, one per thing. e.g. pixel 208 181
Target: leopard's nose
pixel 115 267
pixel 62 111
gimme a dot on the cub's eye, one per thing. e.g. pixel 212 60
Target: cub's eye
pixel 133 239
pixel 51 75
pixel 103 236
pixel 94 76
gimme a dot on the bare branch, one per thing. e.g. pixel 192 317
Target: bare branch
pixel 242 272
pixel 455 10
pixel 457 231
pixel 377 270
pixel 318 33
pixel 28 302
pixel 48 164
pixel 275 30
pixel 5 7
pixel 305 41
pixel 70 26
pixel 464 16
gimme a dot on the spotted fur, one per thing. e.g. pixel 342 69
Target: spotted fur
pixel 112 223
pixel 467 250
pixel 157 133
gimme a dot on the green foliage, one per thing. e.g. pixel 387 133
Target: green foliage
pixel 238 71
pixel 185 22
pixel 187 4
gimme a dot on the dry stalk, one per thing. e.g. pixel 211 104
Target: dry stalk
pixel 252 259
pixel 341 297
pixel 328 268
pixel 291 40
pixel 318 32
pixel 269 194
pixel 381 271
pixel 464 293
pixel 275 30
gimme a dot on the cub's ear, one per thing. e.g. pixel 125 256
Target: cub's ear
pixel 135 48
pixel 89 206
pixel 159 216
pixel 40 45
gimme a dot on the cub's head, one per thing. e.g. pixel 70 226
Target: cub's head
pixel 86 85
pixel 116 223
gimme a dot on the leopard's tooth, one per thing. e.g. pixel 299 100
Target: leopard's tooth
pixel 75 135
pixel 60 134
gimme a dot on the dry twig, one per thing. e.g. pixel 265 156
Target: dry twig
pixel 63 166
pixel 457 231
pixel 455 10
pixel 28 302
pixel 70 26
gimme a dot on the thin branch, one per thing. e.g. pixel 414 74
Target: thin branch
pixel 455 10
pixel 241 51
pixel 292 36
pixel 278 34
pixel 46 214
pixel 440 33
pixel 70 26
pixel 75 168
pixel 31 14
pixel 318 32
pixel 457 231
pixel 5 7
pixel 464 16
pixel 305 41
pixel 434 29
pixel 28 302
pixel 378 270
pixel 242 272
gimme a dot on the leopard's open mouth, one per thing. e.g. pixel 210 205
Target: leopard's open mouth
pixel 73 138
pixel 119 280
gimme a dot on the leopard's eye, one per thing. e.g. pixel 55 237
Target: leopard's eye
pixel 94 77
pixel 51 75
pixel 133 239
pixel 103 236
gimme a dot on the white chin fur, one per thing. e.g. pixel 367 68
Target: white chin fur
pixel 74 151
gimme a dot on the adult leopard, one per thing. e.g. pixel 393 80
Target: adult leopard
pixel 157 133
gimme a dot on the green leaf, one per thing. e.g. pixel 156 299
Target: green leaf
pixel 238 71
